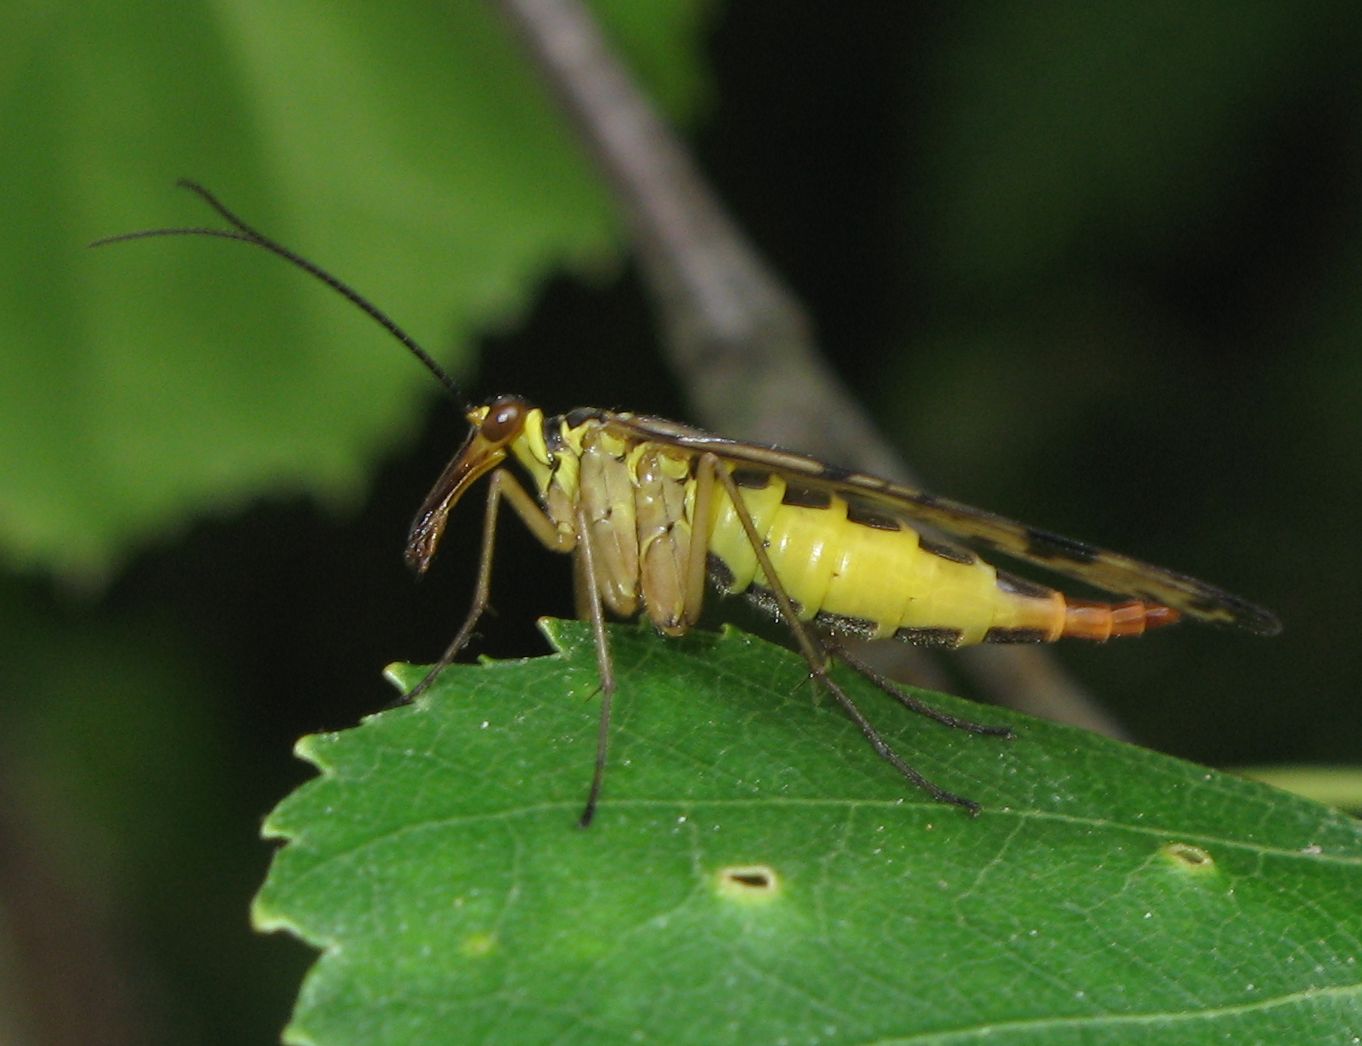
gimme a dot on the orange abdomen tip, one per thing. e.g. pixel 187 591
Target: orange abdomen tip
pixel 1156 616
pixel 1101 621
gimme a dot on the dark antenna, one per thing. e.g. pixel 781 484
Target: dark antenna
pixel 247 234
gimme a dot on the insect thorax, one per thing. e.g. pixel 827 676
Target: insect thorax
pixel 630 499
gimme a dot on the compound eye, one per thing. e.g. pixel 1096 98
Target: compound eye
pixel 505 418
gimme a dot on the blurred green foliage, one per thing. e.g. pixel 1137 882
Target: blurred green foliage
pixel 1094 265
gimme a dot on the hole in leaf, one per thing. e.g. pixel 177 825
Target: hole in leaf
pixel 748 882
pixel 1193 858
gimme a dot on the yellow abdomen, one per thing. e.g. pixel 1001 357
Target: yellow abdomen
pixel 859 570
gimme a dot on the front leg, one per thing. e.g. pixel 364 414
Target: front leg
pixel 589 593
pixel 502 484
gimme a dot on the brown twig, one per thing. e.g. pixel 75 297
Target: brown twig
pixel 737 339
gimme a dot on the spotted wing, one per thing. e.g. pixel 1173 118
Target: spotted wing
pixel 1108 571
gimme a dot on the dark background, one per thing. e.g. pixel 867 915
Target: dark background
pixel 1100 275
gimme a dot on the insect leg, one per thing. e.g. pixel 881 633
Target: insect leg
pixel 502 484
pixel 910 702
pixel 590 593
pixel 698 552
pixel 581 589
pixel 816 656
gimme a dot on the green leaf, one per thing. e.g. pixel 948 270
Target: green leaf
pixel 1339 786
pixel 756 873
pixel 410 149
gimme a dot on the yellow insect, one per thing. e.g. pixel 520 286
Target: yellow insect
pixel 651 511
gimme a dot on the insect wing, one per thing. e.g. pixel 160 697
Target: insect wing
pixel 1103 569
